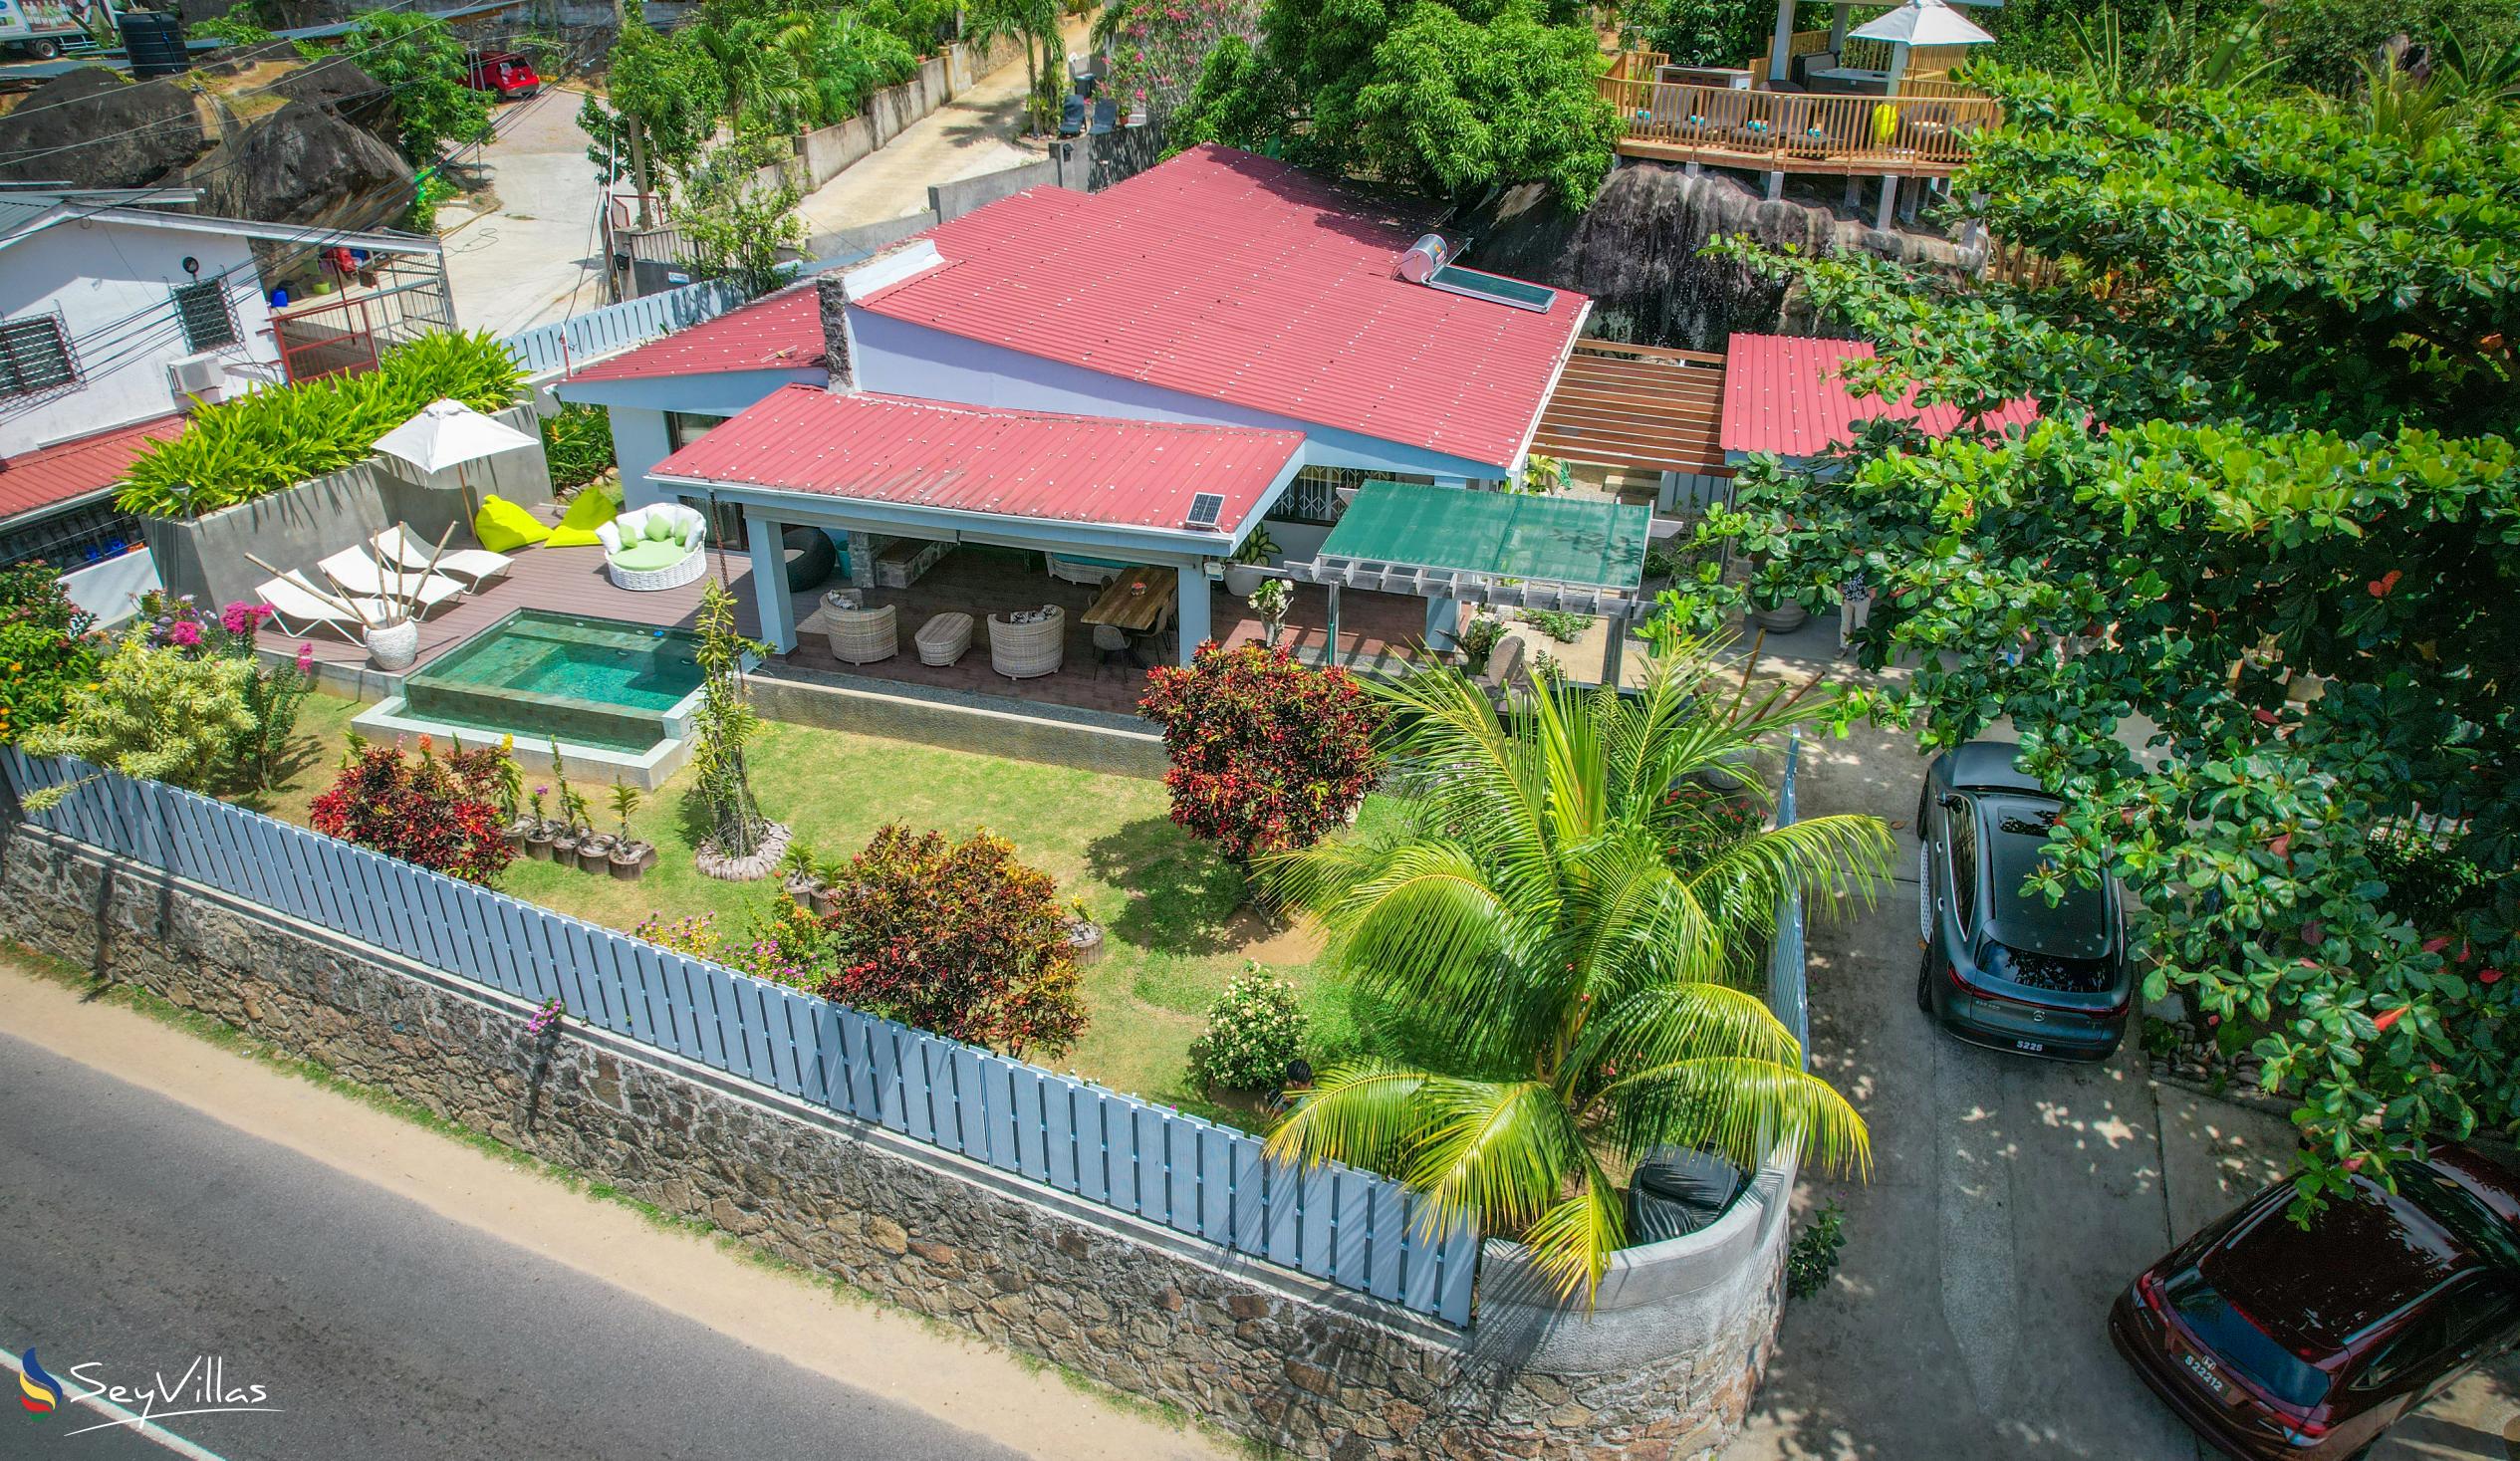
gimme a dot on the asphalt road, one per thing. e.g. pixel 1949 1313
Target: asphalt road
pixel 139 1234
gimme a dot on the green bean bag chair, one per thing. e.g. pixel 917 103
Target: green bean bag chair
pixel 503 527
pixel 588 510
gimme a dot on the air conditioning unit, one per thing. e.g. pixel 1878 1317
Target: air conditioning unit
pixel 203 375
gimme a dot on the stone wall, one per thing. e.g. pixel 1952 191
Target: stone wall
pixel 1261 1351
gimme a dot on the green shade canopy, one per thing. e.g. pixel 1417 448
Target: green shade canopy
pixel 1585 541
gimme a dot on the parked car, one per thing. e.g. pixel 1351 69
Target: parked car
pixel 2306 1343
pixel 503 72
pixel 2001 967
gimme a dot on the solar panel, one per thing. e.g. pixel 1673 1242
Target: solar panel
pixel 1453 279
pixel 1205 509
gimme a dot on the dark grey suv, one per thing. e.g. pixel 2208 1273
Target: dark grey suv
pixel 2001 967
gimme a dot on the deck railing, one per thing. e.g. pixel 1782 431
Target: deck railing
pixel 1799 132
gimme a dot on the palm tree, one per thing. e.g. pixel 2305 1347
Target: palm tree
pixel 1573 920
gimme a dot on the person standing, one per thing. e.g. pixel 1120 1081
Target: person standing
pixel 1854 611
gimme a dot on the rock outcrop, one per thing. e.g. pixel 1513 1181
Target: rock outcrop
pixel 261 132
pixel 1637 251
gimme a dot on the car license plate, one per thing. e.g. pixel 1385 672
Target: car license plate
pixel 2035 1047
pixel 2205 1372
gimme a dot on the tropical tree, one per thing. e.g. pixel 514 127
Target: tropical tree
pixel 153 713
pixel 421 62
pixel 1571 923
pixel 725 725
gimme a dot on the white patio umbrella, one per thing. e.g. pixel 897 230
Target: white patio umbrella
pixel 1919 23
pixel 448 435
pixel 1778 69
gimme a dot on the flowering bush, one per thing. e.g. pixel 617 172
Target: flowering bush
pixel 1253 1031
pixel 1158 46
pixel 786 945
pixel 155 715
pixel 1267 755
pixel 440 812
pixel 956 938
pixel 272 693
pixel 45 649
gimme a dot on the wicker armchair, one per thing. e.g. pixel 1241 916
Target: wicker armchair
pixel 863 635
pixel 1022 651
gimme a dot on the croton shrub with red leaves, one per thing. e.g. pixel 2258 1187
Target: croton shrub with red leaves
pixel 957 937
pixel 1267 754
pixel 441 811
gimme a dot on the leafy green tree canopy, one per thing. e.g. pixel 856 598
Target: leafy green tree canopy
pixel 419 60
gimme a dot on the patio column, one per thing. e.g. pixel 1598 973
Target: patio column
pixel 770 583
pixel 1443 615
pixel 1192 602
pixel 1779 57
pixel 1838 28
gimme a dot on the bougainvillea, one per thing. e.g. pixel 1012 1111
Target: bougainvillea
pixel 956 938
pixel 1268 755
pixel 440 812
pixel 1158 46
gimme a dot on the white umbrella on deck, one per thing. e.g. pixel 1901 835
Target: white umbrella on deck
pixel 1919 23
pixel 448 435
pixel 1778 69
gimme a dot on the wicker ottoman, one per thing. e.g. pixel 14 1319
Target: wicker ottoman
pixel 944 638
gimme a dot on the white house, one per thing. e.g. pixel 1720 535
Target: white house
pixel 115 313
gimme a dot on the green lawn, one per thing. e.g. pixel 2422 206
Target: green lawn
pixel 1175 926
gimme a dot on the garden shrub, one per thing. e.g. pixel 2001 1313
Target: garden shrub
pixel 440 812
pixel 785 945
pixel 274 694
pixel 152 712
pixel 1267 754
pixel 45 651
pixel 1253 1031
pixel 956 938
pixel 578 443
pixel 267 441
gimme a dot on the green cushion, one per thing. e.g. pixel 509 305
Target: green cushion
pixel 591 509
pixel 661 530
pixel 644 555
pixel 503 527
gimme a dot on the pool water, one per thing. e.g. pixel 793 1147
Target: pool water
pixel 536 674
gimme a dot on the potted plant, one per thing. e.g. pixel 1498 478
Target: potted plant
pixel 541 832
pixel 1479 640
pixel 797 872
pixel 827 882
pixel 515 825
pixel 1270 602
pixel 1243 570
pixel 572 828
pixel 1085 936
pixel 631 856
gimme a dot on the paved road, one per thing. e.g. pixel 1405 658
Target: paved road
pixel 141 1234
pixel 514 267
pixel 2010 1200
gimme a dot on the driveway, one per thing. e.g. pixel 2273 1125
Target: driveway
pixel 514 265
pixel 2010 1199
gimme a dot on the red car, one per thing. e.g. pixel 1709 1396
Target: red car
pixel 2283 1343
pixel 503 72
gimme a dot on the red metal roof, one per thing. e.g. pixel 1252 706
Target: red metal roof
pixel 1239 279
pixel 1025 464
pixel 68 470
pixel 1783 395
pixel 781 331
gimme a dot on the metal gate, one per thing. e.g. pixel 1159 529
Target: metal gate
pixel 347 336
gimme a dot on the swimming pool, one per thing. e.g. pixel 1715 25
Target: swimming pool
pixel 536 674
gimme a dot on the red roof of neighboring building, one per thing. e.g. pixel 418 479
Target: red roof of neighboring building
pixel 781 331
pixel 1783 395
pixel 68 470
pixel 1027 464
pixel 1235 278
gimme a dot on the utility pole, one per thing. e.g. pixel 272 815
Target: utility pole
pixel 637 134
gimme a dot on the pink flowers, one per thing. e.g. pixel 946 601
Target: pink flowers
pixel 183 633
pixel 306 659
pixel 242 617
pixel 545 1021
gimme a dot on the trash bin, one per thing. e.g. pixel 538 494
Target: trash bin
pixel 153 39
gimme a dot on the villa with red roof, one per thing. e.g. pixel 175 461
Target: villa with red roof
pixel 1132 378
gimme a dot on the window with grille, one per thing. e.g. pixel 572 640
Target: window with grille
pixel 35 357
pixel 1313 497
pixel 209 321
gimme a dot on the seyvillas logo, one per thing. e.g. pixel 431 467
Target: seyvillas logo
pixel 39 1392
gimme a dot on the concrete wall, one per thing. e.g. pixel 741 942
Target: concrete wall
pixel 112 284
pixel 111 589
pixel 953 200
pixel 1263 1351
pixel 638 443
pixel 911 360
pixel 205 556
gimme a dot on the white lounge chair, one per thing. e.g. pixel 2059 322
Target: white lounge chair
pixel 478 566
pixel 359 573
pixel 299 607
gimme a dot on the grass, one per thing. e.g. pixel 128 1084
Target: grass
pixel 1175 927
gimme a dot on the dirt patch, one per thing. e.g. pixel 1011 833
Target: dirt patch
pixel 1253 935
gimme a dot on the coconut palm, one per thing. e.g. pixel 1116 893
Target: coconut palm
pixel 1572 915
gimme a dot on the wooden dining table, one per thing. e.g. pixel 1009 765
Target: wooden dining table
pixel 1136 600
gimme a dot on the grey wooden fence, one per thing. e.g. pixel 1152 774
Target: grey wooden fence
pixel 1349 1228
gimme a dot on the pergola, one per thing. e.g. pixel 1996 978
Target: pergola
pixel 1577 555
pixel 1636 408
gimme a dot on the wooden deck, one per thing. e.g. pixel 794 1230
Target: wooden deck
pixel 1639 408
pixel 1923 133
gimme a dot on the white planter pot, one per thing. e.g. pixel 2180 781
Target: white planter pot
pixel 393 646
pixel 1242 577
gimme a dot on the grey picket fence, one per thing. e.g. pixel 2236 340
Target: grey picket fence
pixel 559 347
pixel 1350 1228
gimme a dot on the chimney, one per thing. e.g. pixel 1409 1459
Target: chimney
pixel 832 291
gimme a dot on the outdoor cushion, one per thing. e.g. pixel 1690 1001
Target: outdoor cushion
pixel 591 509
pixel 503 527
pixel 661 530
pixel 644 556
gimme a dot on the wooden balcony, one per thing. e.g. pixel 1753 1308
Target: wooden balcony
pixel 1923 133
